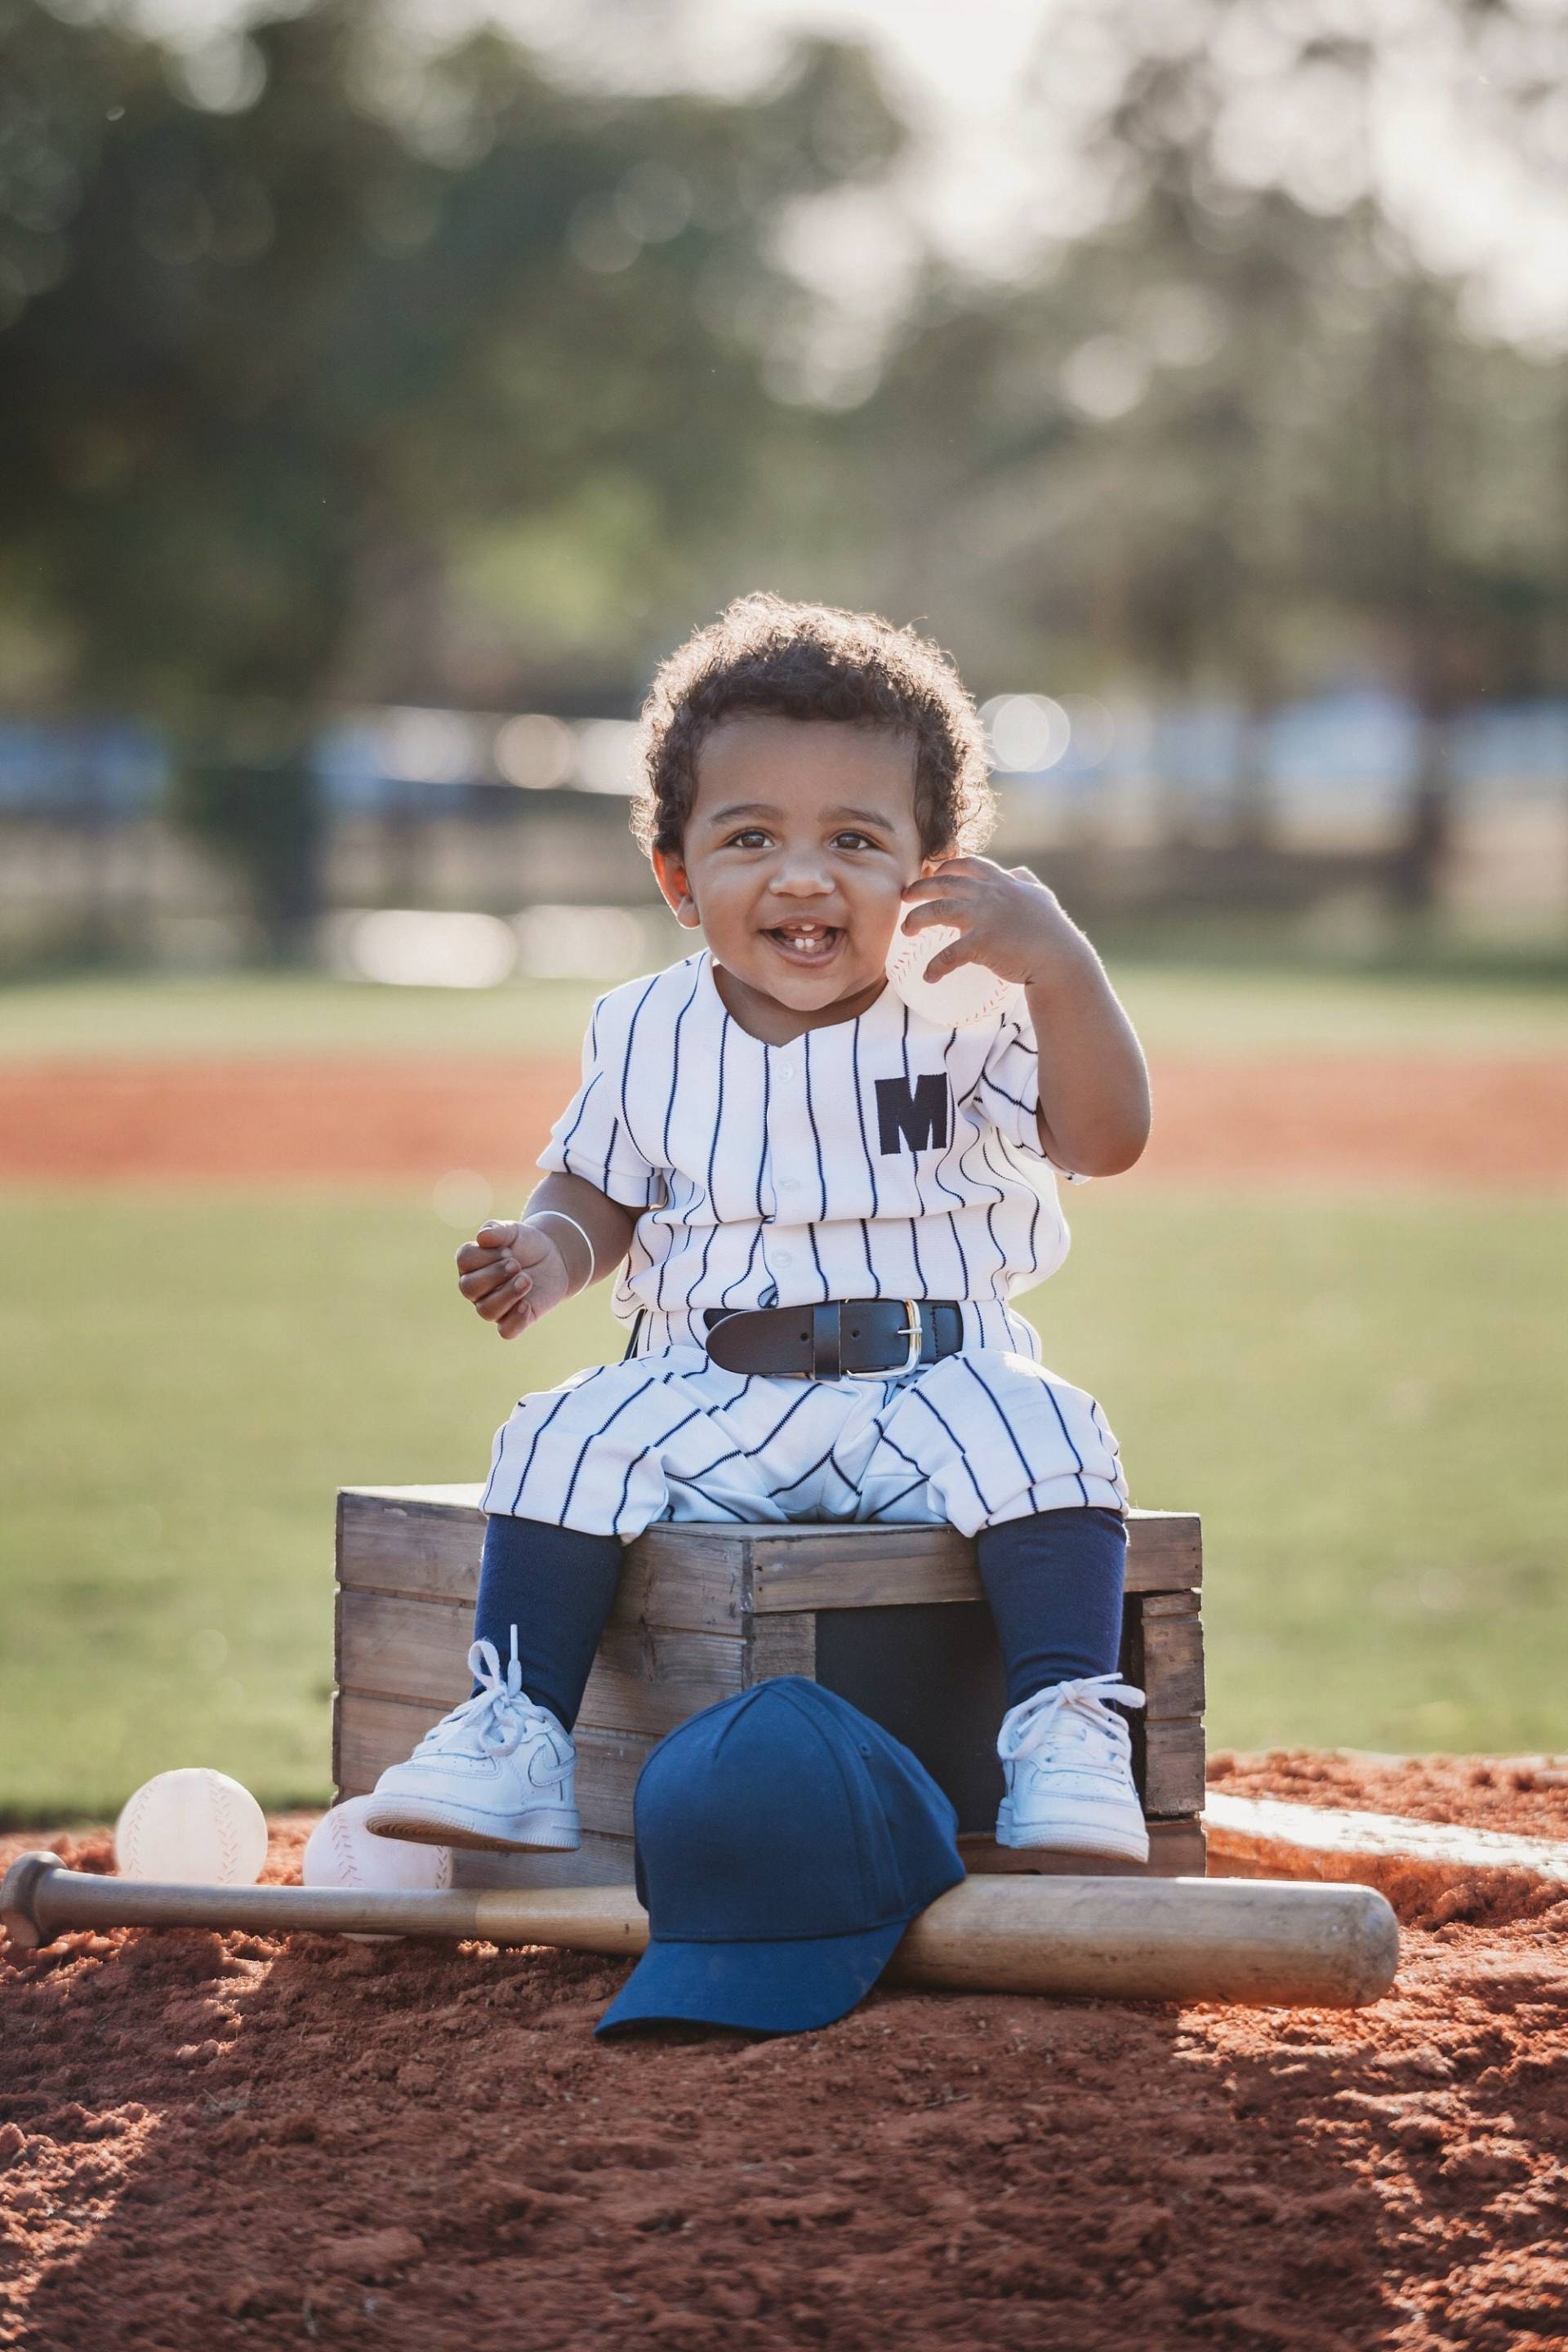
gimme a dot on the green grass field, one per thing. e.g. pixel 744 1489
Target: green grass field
pixel 1180 1009
pixel 1355 1394
pixel 1362 1401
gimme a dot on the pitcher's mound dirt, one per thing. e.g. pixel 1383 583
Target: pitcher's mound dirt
pixel 217 2140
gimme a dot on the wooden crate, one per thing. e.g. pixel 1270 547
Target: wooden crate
pixel 890 1617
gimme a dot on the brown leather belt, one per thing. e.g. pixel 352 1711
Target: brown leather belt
pixel 842 1338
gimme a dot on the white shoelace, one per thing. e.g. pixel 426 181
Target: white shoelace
pixel 1066 1708
pixel 497 1718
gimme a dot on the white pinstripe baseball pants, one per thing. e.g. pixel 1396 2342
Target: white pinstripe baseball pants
pixel 978 1438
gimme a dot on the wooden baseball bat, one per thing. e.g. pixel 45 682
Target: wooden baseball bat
pixel 1269 1943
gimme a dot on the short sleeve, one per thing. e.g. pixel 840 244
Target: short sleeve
pixel 592 1138
pixel 1009 1092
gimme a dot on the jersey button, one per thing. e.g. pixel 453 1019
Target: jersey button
pixel 786 1069
pixel 782 1257
pixel 789 1184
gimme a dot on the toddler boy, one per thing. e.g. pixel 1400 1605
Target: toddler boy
pixel 819 1206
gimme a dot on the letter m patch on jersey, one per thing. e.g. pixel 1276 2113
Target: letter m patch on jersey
pixel 913 1114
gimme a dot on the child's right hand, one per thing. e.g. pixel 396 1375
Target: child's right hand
pixel 512 1274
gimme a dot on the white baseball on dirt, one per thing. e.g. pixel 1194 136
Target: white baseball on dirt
pixel 960 999
pixel 341 1851
pixel 194 1827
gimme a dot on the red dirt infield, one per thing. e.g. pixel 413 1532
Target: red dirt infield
pixel 1356 1124
pixel 214 2140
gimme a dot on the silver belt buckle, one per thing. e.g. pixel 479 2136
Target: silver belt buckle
pixel 914 1332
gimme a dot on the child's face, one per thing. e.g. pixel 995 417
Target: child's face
pixel 801 842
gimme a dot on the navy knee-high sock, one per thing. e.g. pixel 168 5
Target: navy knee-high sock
pixel 556 1586
pixel 1053 1581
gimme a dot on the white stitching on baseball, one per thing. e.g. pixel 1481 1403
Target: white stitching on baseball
pixel 130 1839
pixel 343 1848
pixel 228 1838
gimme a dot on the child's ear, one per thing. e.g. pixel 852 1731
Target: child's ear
pixel 670 872
pixel 935 862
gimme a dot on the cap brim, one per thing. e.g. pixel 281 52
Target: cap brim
pixel 787 1986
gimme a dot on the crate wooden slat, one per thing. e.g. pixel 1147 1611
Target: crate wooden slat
pixel 427 1539
pixel 893 1617
pixel 645 1678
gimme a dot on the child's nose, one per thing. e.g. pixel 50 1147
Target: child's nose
pixel 802 876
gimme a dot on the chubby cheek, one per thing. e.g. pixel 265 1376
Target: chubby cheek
pixel 725 910
pixel 878 902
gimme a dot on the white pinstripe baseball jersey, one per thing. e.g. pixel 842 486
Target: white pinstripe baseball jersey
pixel 876 1157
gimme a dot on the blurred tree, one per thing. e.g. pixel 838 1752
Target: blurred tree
pixel 333 367
pixel 1236 434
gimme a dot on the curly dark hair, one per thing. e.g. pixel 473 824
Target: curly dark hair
pixel 765 656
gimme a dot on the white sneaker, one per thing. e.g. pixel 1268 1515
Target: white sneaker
pixel 1066 1763
pixel 497 1771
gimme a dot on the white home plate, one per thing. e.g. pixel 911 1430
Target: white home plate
pixel 1269 1836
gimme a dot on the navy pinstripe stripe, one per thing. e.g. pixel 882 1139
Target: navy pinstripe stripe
pixel 920 1397
pixel 627 1065
pixel 1100 1423
pixel 581 1107
pixel 816 1260
pixel 774 1491
pixel 908 1459
pixel 684 1244
pixel 805 1396
pixel 745 1270
pixel 538 1434
pixel 922 1286
pixel 990 1208
pixel 1034 1228
pixel 1072 1449
pixel 963 1291
pixel 717 1463
pixel 1003 1172
pixel 691 1480
pixel 1027 1467
pixel 715 1505
pixel 664 1224
pixel 816 1138
pixel 696 962
pixel 877 1426
pixel 712 1153
pixel 861 1115
pixel 882 1508
pixel 637 1460
pixel 593 1438
pixel 762 1154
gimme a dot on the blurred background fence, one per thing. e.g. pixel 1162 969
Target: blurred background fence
pixel 1143 816
pixel 421 815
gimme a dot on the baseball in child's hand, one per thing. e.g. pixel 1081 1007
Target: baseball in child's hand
pixel 512 1274
pixel 1006 919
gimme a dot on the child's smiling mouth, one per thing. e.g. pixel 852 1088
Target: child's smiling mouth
pixel 806 944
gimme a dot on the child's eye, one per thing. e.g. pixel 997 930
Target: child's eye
pixel 853 841
pixel 751 838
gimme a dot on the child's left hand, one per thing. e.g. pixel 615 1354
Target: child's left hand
pixel 1010 922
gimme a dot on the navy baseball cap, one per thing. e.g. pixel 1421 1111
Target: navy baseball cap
pixel 783 1844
